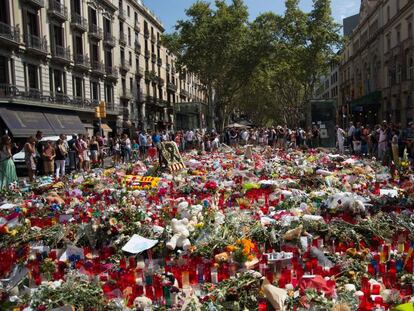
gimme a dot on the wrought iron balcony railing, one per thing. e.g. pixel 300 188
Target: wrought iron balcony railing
pixel 79 22
pixel 9 33
pixel 35 43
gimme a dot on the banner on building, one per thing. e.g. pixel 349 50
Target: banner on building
pixel 170 156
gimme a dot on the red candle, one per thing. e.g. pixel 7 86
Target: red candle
pixel 376 289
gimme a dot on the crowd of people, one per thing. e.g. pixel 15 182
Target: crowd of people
pixel 387 142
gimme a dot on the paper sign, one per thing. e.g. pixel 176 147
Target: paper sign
pixel 389 192
pixel 7 206
pixel 140 182
pixel 138 244
pixel 19 273
pixel 70 251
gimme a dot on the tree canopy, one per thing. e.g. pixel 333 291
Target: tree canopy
pixel 266 68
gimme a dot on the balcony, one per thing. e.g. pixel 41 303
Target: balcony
pixel 159 62
pixel 137 27
pixel 121 14
pixel 95 32
pixel 61 54
pixel 126 94
pixel 171 87
pixel 111 72
pixel 147 54
pixel 168 67
pixel 36 44
pixel 151 76
pixel 9 34
pixel 173 70
pixel 161 82
pixel 109 40
pixel 38 4
pixel 146 34
pixel 153 38
pixel 137 47
pixel 124 66
pixel 34 96
pixel 98 68
pixel 408 43
pixel 81 61
pixel 122 38
pixel 140 72
pixel 78 22
pixel 58 10
pixel 407 86
pixel 154 58
pixel 184 93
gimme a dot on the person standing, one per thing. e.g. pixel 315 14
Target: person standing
pixel 340 136
pixel 357 139
pixel 382 141
pixel 30 157
pixel 94 147
pixel 48 156
pixel 60 160
pixel 128 148
pixel 7 169
pixel 394 146
pixel 351 131
pixel 39 152
pixel 315 137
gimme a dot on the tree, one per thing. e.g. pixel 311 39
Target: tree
pixel 267 68
pixel 212 43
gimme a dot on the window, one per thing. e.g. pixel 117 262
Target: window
pixel 32 77
pixel 129 36
pixel 78 87
pixel 388 41
pixel 388 13
pixel 109 91
pixel 410 30
pixel 95 90
pixel 4 72
pixel 128 11
pixel 59 79
pixel 130 58
pixel 398 5
pixel 398 31
pixel 78 46
pixel 131 84
pixel 136 18
pixel 411 69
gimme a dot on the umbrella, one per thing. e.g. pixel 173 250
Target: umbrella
pixel 237 126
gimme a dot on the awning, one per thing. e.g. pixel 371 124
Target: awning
pixel 105 127
pixel 367 102
pixel 68 124
pixel 25 123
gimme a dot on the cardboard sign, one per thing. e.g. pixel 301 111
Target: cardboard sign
pixel 141 182
pixel 171 156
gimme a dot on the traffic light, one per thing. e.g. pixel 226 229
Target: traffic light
pixel 102 108
pixel 98 112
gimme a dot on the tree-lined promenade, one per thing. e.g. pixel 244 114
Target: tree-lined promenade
pixel 266 68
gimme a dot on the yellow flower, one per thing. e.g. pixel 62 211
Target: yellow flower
pixel 230 248
pixel 199 225
pixel 13 232
pixel 113 221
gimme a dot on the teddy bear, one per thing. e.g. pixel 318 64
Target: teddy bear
pixel 180 234
pixel 193 213
pixel 345 202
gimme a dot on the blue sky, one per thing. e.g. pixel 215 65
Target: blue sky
pixel 169 11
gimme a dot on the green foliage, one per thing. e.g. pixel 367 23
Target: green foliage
pixel 267 68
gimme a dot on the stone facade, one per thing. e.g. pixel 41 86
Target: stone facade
pixel 70 55
pixel 377 67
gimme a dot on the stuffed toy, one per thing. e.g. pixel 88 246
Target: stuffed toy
pixel 192 213
pixel 142 303
pixel 345 202
pixel 53 197
pixel 180 234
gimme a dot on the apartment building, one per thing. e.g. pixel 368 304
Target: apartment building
pixel 60 58
pixel 377 67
